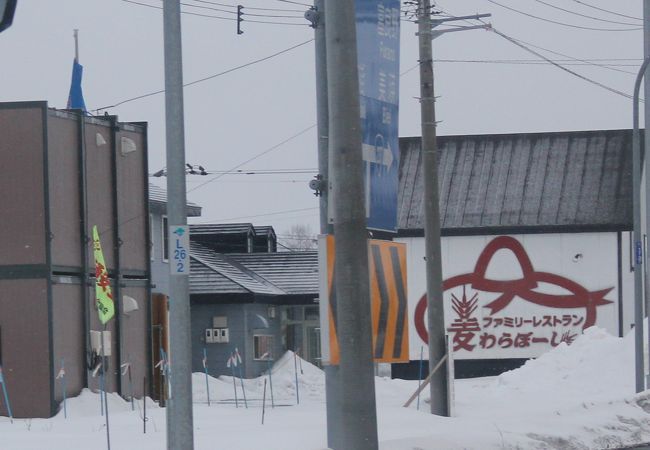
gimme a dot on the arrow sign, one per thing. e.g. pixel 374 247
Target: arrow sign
pixel 377 155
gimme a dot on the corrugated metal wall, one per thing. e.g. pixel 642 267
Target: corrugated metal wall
pixel 63 173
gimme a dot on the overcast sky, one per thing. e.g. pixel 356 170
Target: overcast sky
pixel 234 117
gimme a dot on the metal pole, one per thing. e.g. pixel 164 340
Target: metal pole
pixel 322 111
pixel 355 405
pixel 435 311
pixel 646 140
pixel 76 45
pixel 179 411
pixel 638 247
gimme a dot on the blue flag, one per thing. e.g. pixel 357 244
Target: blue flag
pixel 76 97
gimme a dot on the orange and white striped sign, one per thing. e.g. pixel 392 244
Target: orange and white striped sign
pixel 388 301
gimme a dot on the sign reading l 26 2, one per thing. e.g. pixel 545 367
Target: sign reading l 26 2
pixel 179 237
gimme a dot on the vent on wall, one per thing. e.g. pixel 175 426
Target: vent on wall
pixel 127 145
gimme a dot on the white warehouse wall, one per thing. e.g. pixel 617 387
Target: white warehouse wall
pixel 543 289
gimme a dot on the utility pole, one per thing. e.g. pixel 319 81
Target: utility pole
pixel 646 140
pixel 438 386
pixel 355 404
pixel 316 16
pixel 435 311
pixel 179 410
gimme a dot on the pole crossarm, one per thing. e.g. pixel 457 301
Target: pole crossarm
pixel 436 22
pixel 438 33
pixel 443 20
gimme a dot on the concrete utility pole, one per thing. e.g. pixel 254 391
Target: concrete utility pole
pixel 435 311
pixel 317 17
pixel 355 405
pixel 438 385
pixel 179 410
pixel 646 140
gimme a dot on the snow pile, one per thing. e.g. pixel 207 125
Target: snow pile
pixel 574 397
pixel 579 396
pixel 596 366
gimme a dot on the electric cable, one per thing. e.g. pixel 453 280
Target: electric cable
pixel 247 7
pixel 584 15
pixel 250 63
pixel 288 211
pixel 582 77
pixel 561 23
pixel 220 17
pixel 606 10
pixel 262 153
pixel 295 3
pixel 302 17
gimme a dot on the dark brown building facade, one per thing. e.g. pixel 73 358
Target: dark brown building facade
pixel 62 173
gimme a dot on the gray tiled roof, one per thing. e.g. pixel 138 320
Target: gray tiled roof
pixel 294 272
pixel 286 273
pixel 206 280
pixel 159 195
pixel 523 180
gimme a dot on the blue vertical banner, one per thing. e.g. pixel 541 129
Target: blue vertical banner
pixel 76 96
pixel 378 63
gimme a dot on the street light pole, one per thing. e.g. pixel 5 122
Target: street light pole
pixel 638 246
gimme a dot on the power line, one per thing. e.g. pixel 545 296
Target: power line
pixel 520 43
pixel 582 77
pixel 183 12
pixel 295 3
pixel 247 7
pixel 219 17
pixel 262 172
pixel 561 23
pixel 288 211
pixel 208 77
pixel 277 16
pixel 572 57
pixel 537 62
pixel 606 10
pixel 584 15
pixel 268 150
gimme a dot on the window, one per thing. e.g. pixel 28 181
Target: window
pixel 165 238
pixel 263 347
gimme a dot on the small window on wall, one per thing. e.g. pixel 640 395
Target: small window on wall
pixel 263 347
pixel 165 239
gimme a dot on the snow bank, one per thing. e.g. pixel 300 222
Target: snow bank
pixel 574 397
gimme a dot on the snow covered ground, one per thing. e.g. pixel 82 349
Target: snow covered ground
pixel 574 397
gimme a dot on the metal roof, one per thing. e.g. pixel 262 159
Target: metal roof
pixel 264 230
pixel 577 179
pixel 221 228
pixel 275 274
pixel 159 195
